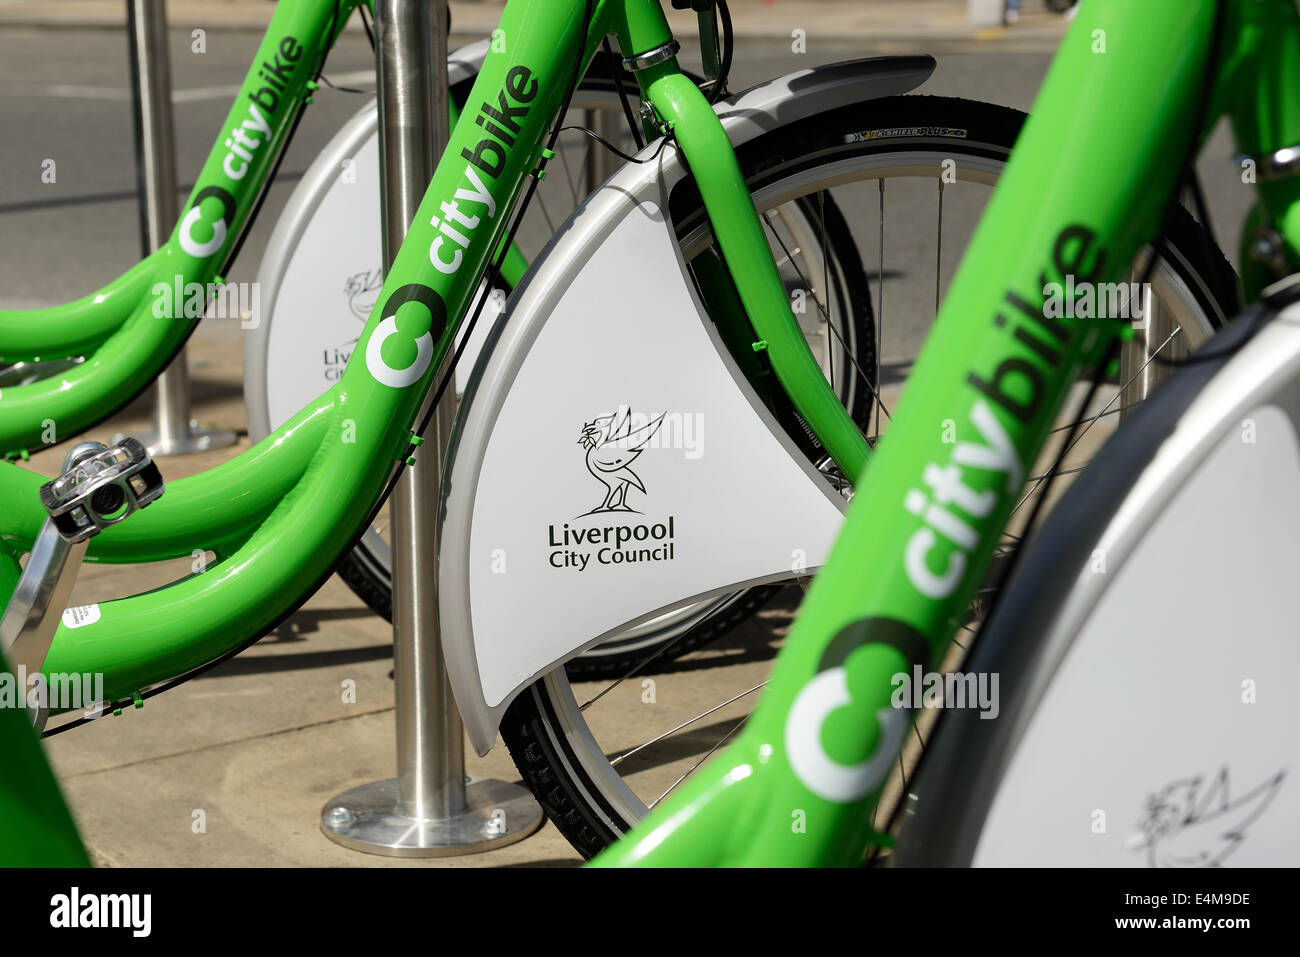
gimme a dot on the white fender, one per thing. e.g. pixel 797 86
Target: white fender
pixel 1145 646
pixel 609 462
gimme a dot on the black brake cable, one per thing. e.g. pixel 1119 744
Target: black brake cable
pixel 614 149
pixel 361 11
pixel 365 22
pixel 344 89
pixel 615 69
pixel 728 46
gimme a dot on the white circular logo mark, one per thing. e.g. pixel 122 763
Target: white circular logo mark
pixel 187 242
pixel 821 774
pixel 386 374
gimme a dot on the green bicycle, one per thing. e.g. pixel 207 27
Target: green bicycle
pixel 72 366
pixel 278 518
pixel 928 513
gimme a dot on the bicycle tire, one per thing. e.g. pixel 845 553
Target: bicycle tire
pixel 1039 633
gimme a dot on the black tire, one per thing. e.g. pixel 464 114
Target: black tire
pixel 368 577
pixel 544 753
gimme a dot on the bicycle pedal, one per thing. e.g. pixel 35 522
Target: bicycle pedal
pixel 100 486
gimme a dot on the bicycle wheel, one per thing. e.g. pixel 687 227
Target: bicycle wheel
pixel 594 754
pixel 1182 764
pixel 817 242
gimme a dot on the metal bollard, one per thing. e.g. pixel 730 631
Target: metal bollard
pixel 1144 359
pixel 430 809
pixel 174 433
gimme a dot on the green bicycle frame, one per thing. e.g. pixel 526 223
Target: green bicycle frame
pixel 1131 93
pixel 130 330
pixel 36 829
pixel 279 516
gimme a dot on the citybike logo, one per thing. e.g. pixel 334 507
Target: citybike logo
pixel 414 342
pixel 217 229
pixel 947 487
pixel 819 731
pixel 242 145
pixel 398 355
pixel 828 700
pixel 957 494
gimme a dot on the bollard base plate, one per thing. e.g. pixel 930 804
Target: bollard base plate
pixel 366 819
pixel 188 442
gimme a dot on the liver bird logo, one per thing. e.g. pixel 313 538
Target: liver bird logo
pixel 1197 822
pixel 612 446
pixel 362 290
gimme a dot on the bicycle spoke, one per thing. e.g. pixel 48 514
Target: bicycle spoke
pixel 568 174
pixel 786 259
pixel 826 283
pixel 691 770
pixel 804 283
pixel 1095 418
pixel 635 668
pixel 685 724
pixel 1043 475
pixel 546 213
pixel 938 250
pixel 880 302
pixel 1100 415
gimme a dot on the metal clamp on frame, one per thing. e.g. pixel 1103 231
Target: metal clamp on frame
pixel 642 61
